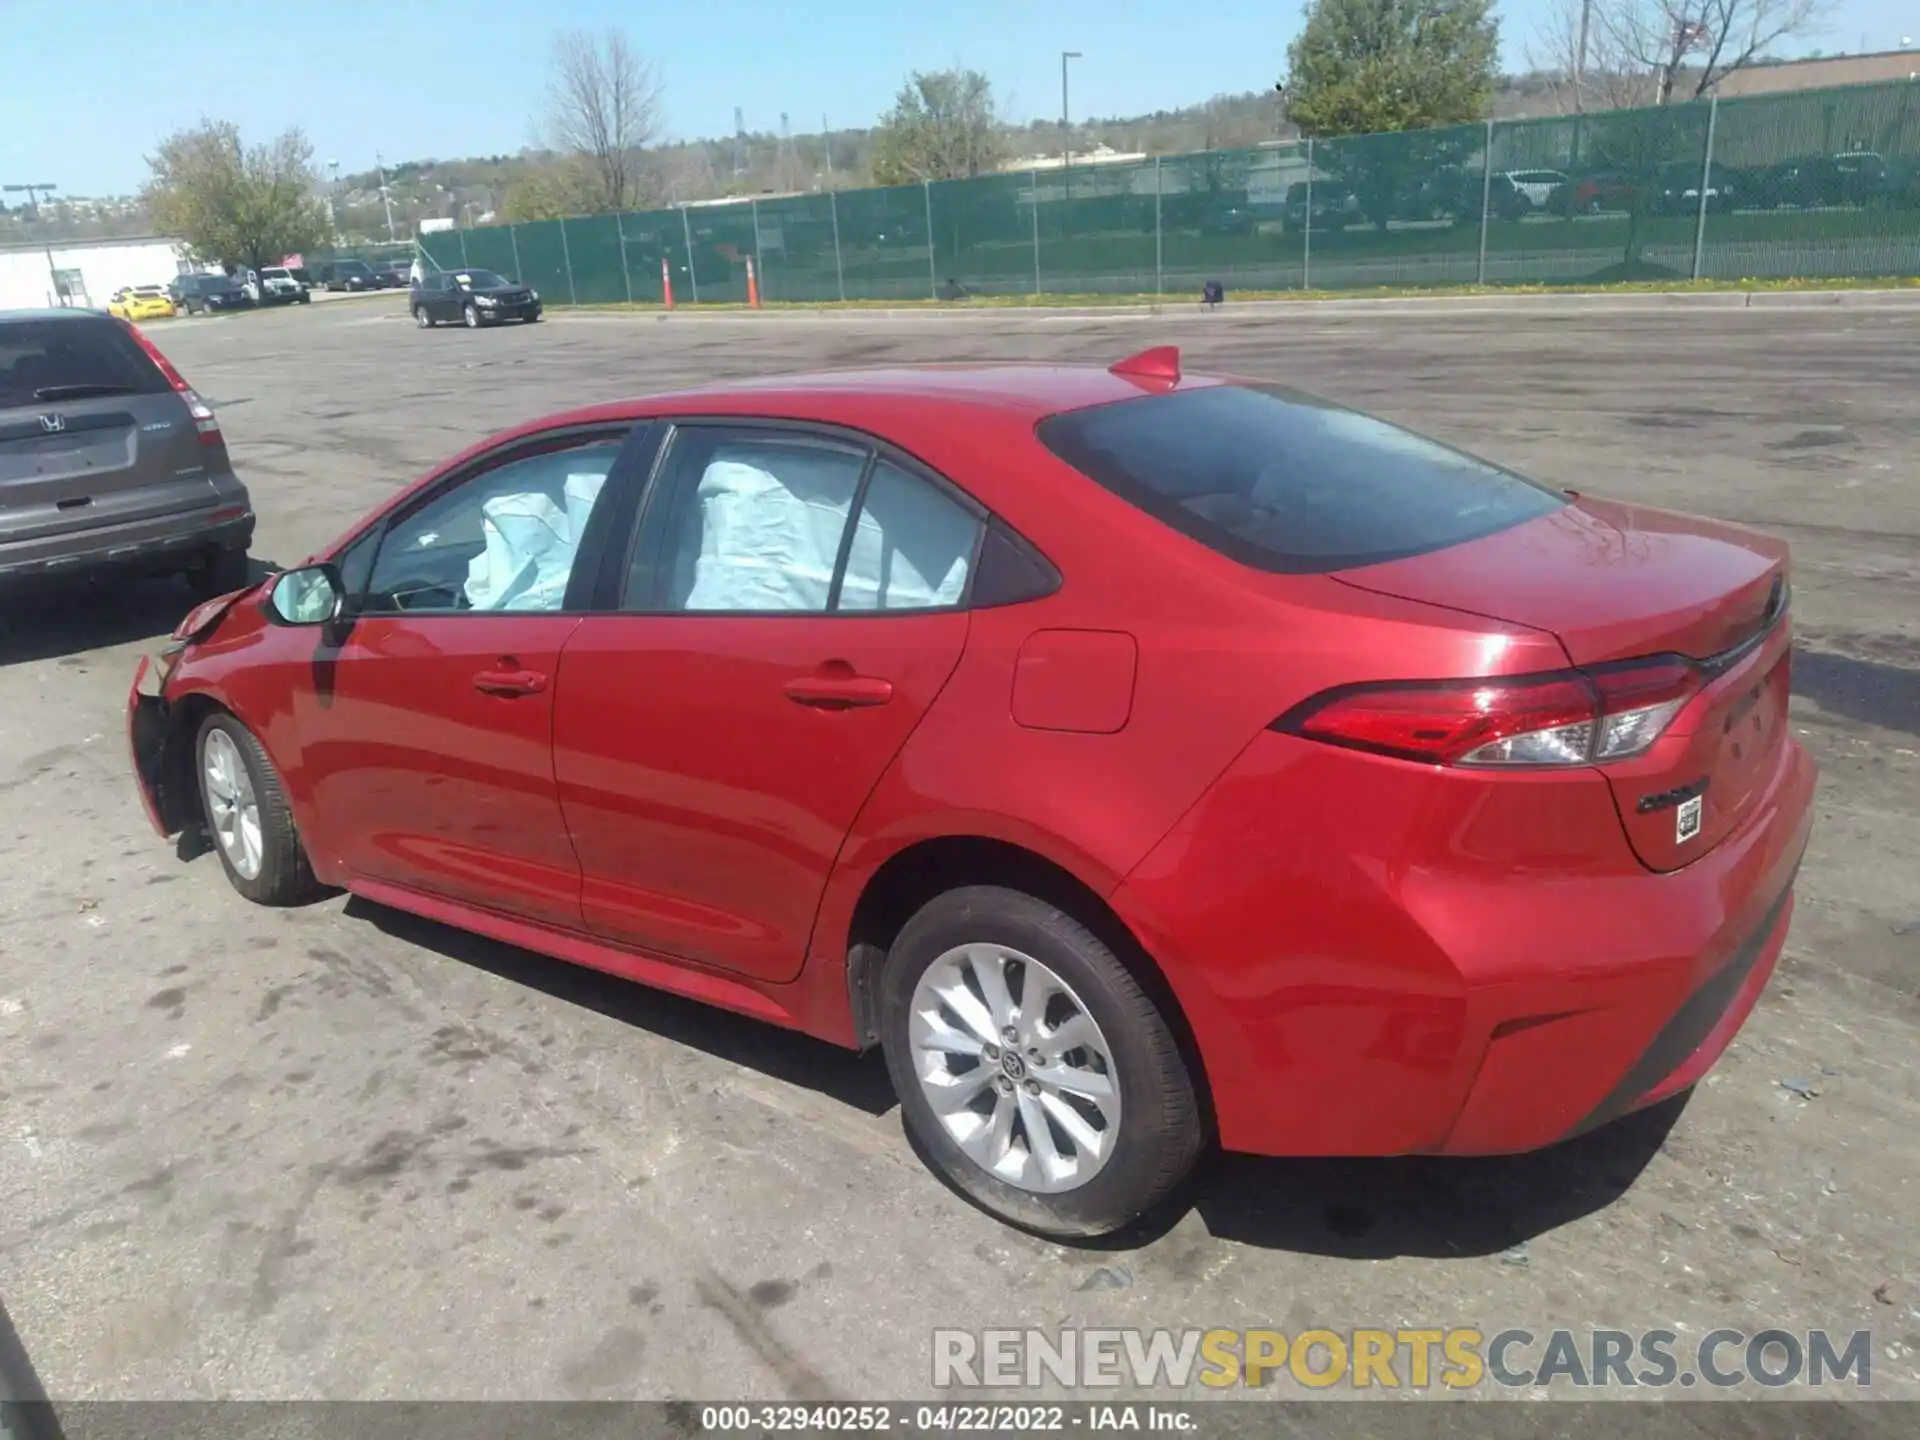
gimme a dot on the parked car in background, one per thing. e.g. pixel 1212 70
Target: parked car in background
pixel 142 302
pixel 1503 197
pixel 1676 189
pixel 1466 807
pixel 473 298
pixel 393 273
pixel 1593 194
pixel 278 286
pixel 1536 185
pixel 351 275
pixel 109 461
pixel 197 294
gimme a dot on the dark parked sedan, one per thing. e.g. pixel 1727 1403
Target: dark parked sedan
pixel 473 298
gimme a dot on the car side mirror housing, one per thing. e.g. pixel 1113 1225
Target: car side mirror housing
pixel 311 595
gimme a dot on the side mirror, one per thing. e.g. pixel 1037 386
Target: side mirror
pixel 312 595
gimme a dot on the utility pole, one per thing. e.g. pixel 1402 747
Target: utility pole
pixel 826 144
pixel 333 197
pixel 34 192
pixel 1580 58
pixel 1066 125
pixel 386 199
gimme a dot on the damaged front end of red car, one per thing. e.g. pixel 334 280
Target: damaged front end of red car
pixel 160 762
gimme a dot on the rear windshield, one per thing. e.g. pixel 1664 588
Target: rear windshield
pixel 1288 483
pixel 44 361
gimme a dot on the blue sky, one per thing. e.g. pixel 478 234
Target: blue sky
pixel 90 85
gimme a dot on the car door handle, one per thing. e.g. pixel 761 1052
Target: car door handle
pixel 838 692
pixel 510 682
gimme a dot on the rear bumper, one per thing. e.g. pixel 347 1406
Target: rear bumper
pixel 1413 977
pixel 155 545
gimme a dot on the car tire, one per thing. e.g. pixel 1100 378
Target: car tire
pixel 422 318
pixel 533 319
pixel 1153 1142
pixel 247 815
pixel 223 572
pixel 471 314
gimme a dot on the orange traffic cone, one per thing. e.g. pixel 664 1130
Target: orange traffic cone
pixel 666 282
pixel 753 286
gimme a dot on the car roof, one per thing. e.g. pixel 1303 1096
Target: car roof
pixel 1023 391
pixel 51 312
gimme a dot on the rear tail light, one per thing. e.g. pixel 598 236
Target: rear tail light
pixel 203 418
pixel 1565 718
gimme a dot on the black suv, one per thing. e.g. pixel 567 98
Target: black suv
pixel 351 275
pixel 197 294
pixel 473 298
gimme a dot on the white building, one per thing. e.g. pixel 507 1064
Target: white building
pixel 88 271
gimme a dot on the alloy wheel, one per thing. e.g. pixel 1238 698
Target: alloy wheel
pixel 232 808
pixel 1015 1068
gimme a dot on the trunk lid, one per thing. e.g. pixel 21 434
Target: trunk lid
pixel 73 465
pixel 1618 582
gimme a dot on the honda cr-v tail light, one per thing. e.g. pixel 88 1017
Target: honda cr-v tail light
pixel 203 417
pixel 1566 717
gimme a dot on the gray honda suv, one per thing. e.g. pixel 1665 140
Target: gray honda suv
pixel 109 461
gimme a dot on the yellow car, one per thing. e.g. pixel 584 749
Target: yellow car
pixel 141 302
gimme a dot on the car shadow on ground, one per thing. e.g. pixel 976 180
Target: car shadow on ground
pixel 68 619
pixel 1358 1209
pixel 856 1080
pixel 1870 691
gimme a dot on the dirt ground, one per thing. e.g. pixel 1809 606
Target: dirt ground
pixel 338 1152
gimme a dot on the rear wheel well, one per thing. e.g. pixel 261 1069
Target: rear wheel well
pixel 908 880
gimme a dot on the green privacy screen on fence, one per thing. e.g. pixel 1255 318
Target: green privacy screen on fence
pixel 1819 183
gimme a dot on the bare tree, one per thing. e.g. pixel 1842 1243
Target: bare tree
pixel 1585 68
pixel 1643 51
pixel 603 104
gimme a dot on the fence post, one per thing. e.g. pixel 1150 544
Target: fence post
pixel 839 265
pixel 759 263
pixel 513 239
pixel 1033 177
pixel 566 258
pixel 933 277
pixel 1306 230
pixel 693 274
pixel 464 262
pixel 1706 178
pixel 1159 269
pixel 1486 203
pixel 626 275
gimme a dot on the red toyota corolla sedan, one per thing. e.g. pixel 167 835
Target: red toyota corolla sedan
pixel 1139 759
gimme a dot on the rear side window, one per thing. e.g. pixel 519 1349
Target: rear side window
pixel 67 358
pixel 1288 483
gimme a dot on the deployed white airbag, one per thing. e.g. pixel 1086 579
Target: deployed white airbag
pixel 530 547
pixel 769 542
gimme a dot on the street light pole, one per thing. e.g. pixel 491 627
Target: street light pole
pixel 33 198
pixel 1066 125
pixel 380 169
pixel 1580 57
pixel 333 197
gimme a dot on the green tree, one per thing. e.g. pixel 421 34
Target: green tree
pixel 232 205
pixel 554 189
pixel 943 126
pixel 1365 66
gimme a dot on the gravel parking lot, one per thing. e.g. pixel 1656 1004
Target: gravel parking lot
pixel 339 1152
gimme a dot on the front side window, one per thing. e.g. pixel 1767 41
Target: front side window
pixel 502 541
pixel 771 522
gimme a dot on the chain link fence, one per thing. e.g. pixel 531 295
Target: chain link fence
pixel 1813 184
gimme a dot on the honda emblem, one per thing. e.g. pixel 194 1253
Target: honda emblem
pixel 53 424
